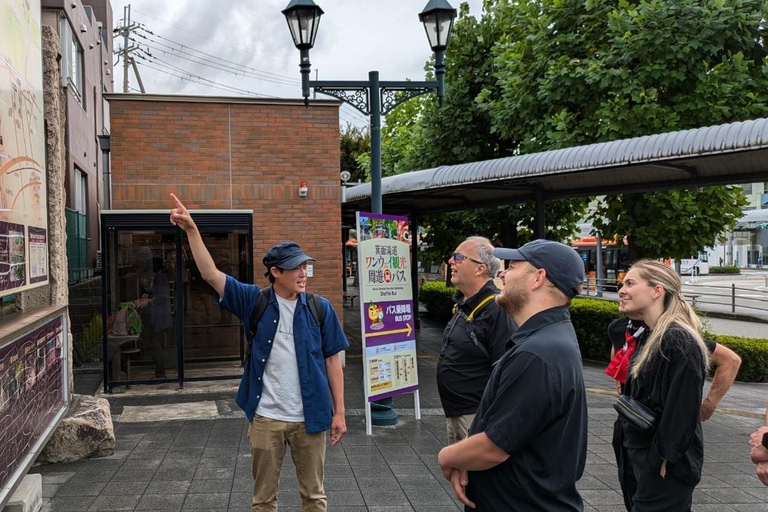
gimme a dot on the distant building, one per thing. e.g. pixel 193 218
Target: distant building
pixel 757 195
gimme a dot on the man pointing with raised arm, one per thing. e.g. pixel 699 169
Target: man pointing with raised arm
pixel 292 390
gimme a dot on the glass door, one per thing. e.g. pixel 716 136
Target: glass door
pixel 142 305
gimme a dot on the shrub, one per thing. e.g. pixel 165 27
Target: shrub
pixel 438 298
pixel 724 270
pixel 753 353
pixel 590 319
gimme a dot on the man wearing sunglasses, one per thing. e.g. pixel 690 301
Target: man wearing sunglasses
pixel 474 339
pixel 292 390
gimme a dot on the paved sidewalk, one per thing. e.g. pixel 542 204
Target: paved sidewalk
pixel 205 464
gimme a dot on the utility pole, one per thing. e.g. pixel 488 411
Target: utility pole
pixel 125 30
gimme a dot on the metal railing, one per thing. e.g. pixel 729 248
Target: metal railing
pixel 706 297
pixel 77 245
pixel 731 296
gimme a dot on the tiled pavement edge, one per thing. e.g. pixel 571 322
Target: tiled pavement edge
pixel 205 464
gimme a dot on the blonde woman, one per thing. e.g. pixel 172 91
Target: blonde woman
pixel 659 468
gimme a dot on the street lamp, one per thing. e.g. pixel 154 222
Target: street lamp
pixel 373 98
pixel 303 18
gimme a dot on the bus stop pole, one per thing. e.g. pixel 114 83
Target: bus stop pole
pixel 599 263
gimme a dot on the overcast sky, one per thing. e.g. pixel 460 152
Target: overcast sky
pixel 354 37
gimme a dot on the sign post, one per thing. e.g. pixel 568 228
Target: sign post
pixel 386 310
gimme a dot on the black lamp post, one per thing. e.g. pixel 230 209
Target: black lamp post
pixel 373 98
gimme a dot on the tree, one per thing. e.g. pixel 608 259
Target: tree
pixel 572 72
pixel 419 134
pixel 354 142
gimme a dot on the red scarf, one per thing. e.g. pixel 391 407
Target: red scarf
pixel 619 366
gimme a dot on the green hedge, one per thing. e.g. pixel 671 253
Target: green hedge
pixel 724 270
pixel 753 353
pixel 438 298
pixel 590 319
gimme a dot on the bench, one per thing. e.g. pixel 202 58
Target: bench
pixel 349 297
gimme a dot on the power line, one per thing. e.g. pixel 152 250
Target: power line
pixel 188 31
pixel 184 71
pixel 204 62
pixel 193 77
pixel 218 58
pixel 191 80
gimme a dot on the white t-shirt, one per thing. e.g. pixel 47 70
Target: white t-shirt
pixel 281 389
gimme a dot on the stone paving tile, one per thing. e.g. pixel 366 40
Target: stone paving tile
pixel 168 487
pixel 206 501
pixel 168 502
pixel 81 489
pixel 108 503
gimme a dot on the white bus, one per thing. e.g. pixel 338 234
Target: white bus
pixel 695 266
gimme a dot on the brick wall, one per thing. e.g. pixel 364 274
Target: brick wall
pixel 237 154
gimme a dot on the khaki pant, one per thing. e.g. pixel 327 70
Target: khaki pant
pixel 268 439
pixel 458 427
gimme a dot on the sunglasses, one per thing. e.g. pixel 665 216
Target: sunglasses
pixel 458 257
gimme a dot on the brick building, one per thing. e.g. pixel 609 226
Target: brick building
pixel 234 154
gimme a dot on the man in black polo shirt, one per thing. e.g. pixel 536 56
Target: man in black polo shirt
pixel 474 339
pixel 528 443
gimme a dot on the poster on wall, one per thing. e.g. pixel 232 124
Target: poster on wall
pixel 386 308
pixel 33 398
pixel 23 203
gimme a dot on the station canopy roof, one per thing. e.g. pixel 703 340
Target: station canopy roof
pixel 715 155
pixel 752 219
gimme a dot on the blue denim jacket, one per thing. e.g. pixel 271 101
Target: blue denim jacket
pixel 312 348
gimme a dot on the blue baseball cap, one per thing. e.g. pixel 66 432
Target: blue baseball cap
pixel 564 267
pixel 285 255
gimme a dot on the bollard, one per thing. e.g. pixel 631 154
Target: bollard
pixel 733 298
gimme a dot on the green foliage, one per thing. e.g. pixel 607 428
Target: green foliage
pixel 438 298
pixel 670 224
pixel 753 353
pixel 724 270
pixel 353 143
pixel 92 334
pixel 507 226
pixel 570 73
pixel 419 134
pixel 590 318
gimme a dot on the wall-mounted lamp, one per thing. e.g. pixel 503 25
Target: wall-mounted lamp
pixel 303 189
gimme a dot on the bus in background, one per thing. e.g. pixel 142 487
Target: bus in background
pixel 615 260
pixel 695 266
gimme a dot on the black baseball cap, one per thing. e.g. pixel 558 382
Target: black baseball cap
pixel 564 267
pixel 285 255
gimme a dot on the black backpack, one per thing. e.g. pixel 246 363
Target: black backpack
pixel 313 302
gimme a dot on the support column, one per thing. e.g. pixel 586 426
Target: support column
pixel 374 103
pixel 540 230
pixel 414 228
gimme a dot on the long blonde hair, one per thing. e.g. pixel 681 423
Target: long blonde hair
pixel 676 311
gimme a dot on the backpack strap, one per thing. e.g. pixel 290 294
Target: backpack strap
pixel 315 308
pixel 258 311
pixel 471 325
pixel 313 303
